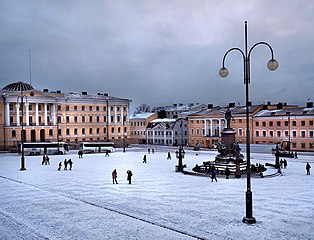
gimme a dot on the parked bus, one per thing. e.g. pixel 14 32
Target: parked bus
pixel 40 148
pixel 97 147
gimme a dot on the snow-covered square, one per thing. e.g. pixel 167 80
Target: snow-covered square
pixel 44 203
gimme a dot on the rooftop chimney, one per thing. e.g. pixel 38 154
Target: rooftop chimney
pixel 210 106
pixel 45 90
pixel 84 93
pixel 309 104
pixel 232 105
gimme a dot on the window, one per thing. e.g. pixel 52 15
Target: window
pixel 311 134
pixel 264 133
pixel 83 131
pixel 90 108
pixel 67 118
pixel 112 130
pixel 83 108
pixel 270 124
pixel 75 119
pixel 75 131
pixel 278 134
pixel 67 108
pixel 104 108
pixel 303 134
pixel 256 124
pixel 105 130
pixel 97 118
pixel 119 129
pixel 264 124
pixel 311 145
pixel 303 145
pixel 257 133
pixel 294 145
pixel 118 118
pixel 294 133
pixel 83 119
pixel 311 122
pixel 302 123
pixel 90 118
pixel 118 109
pixel 97 108
pixel 68 131
pixel 13 134
pixel 286 133
pixel 90 131
pixel 50 132
pixel 294 123
pixel 286 123
pixel 59 108
pixel 97 130
pixel 30 107
pixel 124 109
pixel 105 119
pixel 278 123
pixel 240 120
pixel 75 108
pixel 112 119
pixel 240 131
pixel 271 133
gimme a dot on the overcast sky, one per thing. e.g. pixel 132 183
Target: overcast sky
pixel 158 52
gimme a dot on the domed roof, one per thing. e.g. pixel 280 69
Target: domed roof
pixel 17 86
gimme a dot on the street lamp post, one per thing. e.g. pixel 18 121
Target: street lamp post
pixel 21 97
pixel 272 65
pixel 180 152
pixel 123 135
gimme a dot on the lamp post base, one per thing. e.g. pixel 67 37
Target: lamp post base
pixel 247 220
pixel 22 164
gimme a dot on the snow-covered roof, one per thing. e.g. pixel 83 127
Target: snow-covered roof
pixel 143 115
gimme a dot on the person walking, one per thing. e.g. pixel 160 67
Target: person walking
pixel 59 166
pixel 227 172
pixel 213 174
pixel 169 155
pixel 144 159
pixel 285 163
pixel 65 164
pixel 80 154
pixel 114 176
pixel 130 174
pixel 70 164
pixel 44 160
pixel 308 168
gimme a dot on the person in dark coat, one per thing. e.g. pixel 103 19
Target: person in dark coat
pixel 47 160
pixel 295 154
pixel 285 163
pixel 107 153
pixel 227 172
pixel 80 154
pixel 59 166
pixel 114 176
pixel 308 168
pixel 65 164
pixel 144 159
pixel 70 164
pixel 213 174
pixel 44 160
pixel 130 174
pixel 169 155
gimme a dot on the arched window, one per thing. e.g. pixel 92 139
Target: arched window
pixel 90 131
pixel 75 131
pixel 83 131
pixel 119 130
pixel 105 130
pixel 112 130
pixel 50 132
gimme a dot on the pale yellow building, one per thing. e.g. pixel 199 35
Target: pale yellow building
pixel 71 117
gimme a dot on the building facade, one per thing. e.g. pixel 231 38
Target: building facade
pixel 138 125
pixel 55 116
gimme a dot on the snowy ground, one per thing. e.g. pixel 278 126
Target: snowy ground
pixel 42 203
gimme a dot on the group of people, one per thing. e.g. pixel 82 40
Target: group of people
pixel 66 163
pixel 80 153
pixel 115 176
pixel 148 150
pixel 283 163
pixel 45 160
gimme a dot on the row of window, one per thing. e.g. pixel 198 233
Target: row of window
pixel 91 119
pixel 285 123
pixel 91 108
pixel 286 134
pixel 138 124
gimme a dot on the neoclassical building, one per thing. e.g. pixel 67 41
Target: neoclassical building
pixel 51 116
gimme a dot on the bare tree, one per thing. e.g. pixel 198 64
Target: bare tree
pixel 143 108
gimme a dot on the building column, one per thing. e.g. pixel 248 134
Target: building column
pixel 53 112
pixel 109 114
pixel 27 113
pixel 7 114
pixel 36 114
pixel 115 114
pixel 211 127
pixel 46 114
pixel 205 127
pixel 219 124
pixel 17 114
